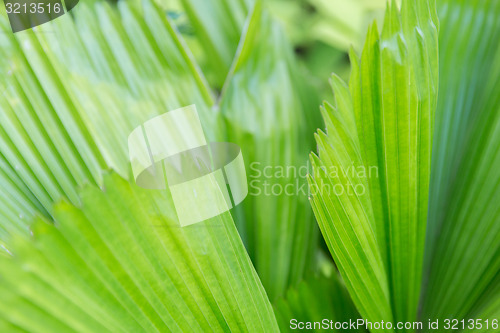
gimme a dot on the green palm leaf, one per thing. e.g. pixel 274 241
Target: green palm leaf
pixel 262 113
pixel 119 264
pixel 55 135
pixel 384 121
pixel 111 257
pixel 316 299
pixel 464 231
pixel 218 26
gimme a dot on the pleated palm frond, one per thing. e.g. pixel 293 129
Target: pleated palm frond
pixel 120 264
pixel 73 90
pixel 404 257
pixel 407 205
pixel 463 248
pixel 76 87
pixel 371 178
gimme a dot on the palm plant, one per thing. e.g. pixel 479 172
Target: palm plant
pixel 84 249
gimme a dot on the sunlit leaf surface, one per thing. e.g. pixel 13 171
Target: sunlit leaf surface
pixel 119 264
pixel 372 176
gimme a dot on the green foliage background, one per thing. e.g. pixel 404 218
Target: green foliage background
pixel 83 249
